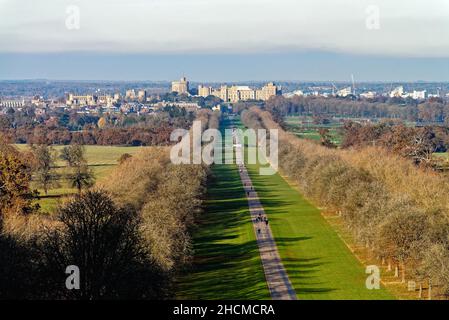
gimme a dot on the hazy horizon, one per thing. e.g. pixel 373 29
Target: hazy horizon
pixel 305 66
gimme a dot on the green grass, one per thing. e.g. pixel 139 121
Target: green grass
pixel 101 160
pixel 304 128
pixel 226 257
pixel 95 155
pixel 318 262
pixel 441 155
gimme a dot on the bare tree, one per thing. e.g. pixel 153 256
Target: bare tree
pixel 104 242
pixel 45 176
pixel 80 175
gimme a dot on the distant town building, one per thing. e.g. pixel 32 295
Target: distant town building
pixel 189 106
pixel 130 94
pixel 75 100
pixel 181 86
pixel 106 100
pixel 204 91
pixel 90 100
pixel 368 95
pixel 298 93
pixel 398 92
pixel 240 93
pixel 12 103
pixel 419 95
pixel 142 95
pixel 344 92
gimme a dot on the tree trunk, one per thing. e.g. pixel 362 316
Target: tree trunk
pixel 429 297
pixel 403 272
pixel 396 271
pixel 389 266
pixel 420 290
pixel 383 261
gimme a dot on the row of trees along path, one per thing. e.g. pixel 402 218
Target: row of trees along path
pixel 275 274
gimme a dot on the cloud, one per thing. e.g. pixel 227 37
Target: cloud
pixel 412 28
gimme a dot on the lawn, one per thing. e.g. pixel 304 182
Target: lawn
pixel 442 155
pixel 318 262
pixel 304 128
pixel 226 262
pixel 101 160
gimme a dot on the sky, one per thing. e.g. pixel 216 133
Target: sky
pixel 225 40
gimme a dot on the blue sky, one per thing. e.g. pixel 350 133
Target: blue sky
pixel 225 40
pixel 224 67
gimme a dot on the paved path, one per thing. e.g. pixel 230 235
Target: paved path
pixel 275 274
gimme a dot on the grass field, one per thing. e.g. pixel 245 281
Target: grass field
pixel 442 155
pixel 226 258
pixel 101 160
pixel 304 128
pixel 318 262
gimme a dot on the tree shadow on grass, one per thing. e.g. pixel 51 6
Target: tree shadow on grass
pixel 305 275
pixel 226 264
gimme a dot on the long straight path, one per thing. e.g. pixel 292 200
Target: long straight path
pixel 275 274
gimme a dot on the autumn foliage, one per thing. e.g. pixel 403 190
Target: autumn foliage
pixel 129 236
pixel 398 211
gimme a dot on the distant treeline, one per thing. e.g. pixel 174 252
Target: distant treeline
pixel 430 111
pixel 132 136
pixel 63 128
pixel 416 143
pixel 397 210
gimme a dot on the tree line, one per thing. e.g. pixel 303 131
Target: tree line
pixel 129 236
pixel 416 143
pixel 133 136
pixel 398 211
pixel 429 111
pixel 107 129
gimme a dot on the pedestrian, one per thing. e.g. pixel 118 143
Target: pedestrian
pixel 258 231
pixel 266 222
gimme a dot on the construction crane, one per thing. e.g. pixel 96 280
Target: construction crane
pixel 353 84
pixel 334 88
